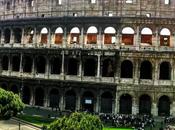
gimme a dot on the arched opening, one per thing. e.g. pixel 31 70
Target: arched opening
pixel 106 102
pixel 72 66
pixel 165 37
pixel 164 106
pixel 89 67
pixel 109 35
pixel 14 89
pixel 26 95
pixel 59 35
pixel 39 96
pixel 146 70
pixel 88 101
pixel 165 71
pixel 5 62
pixel 8 5
pixel 7 35
pixel 55 63
pixel 145 104
pixel 40 64
pixel 15 63
pixel 30 35
pixel 4 86
pixel 125 104
pixel 44 34
pixel 27 64
pixel 127 36
pixel 17 35
pixel 74 35
pixel 70 100
pixel 108 68
pixel 92 35
pixel 146 36
pixel 126 69
pixel 54 98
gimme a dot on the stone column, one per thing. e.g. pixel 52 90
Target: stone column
pixel 21 63
pixel 99 38
pixel 172 109
pixel 11 36
pixel 10 65
pixel 61 104
pixel 135 106
pixel 154 109
pixel 35 36
pixel 65 38
pixel 2 37
pixel 137 39
pixel 82 37
pixel 156 41
pixel 32 102
pixel 155 74
pixel 136 71
pixel 116 103
pixel 97 105
pixel 98 65
pixel 80 68
pixel 62 66
pixel 78 101
pixel 22 36
pixel 49 38
pixel 47 72
pixel 46 97
pixel 33 67
pixel 117 73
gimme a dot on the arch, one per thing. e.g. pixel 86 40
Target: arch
pixel 15 63
pixel 70 100
pixel 110 30
pixel 59 35
pixel 145 104
pixel 125 104
pixel 92 35
pixel 72 67
pixel 44 35
pixel 109 35
pixel 5 62
pixel 17 35
pixel 90 70
pixel 146 36
pixel 74 34
pixel 126 69
pixel 106 102
pixel 40 64
pixel 165 37
pixel 14 89
pixel 127 30
pixel 165 71
pixel 39 96
pixel 55 65
pixel 26 95
pixel 7 35
pixel 88 101
pixel 164 106
pixel 54 98
pixel 127 36
pixel 108 68
pixel 27 64
pixel 146 70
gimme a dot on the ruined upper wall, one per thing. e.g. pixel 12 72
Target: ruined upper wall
pixel 55 8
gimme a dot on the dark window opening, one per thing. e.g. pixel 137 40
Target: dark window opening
pixel 27 64
pixel 146 70
pixel 56 65
pixel 40 64
pixel 165 71
pixel 145 105
pixel 17 35
pixel 7 34
pixel 70 100
pixel 15 63
pixel 72 67
pixel 90 67
pixel 125 104
pixel 91 38
pixel 39 97
pixel 108 68
pixel 8 6
pixel 126 69
pixel 5 63
pixel 14 89
pixel 128 39
pixel 4 86
pixel 164 40
pixel 54 98
pixel 26 95
pixel 146 39
pixel 164 106
pixel 106 102
pixel 88 102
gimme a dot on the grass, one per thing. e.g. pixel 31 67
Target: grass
pixel 118 129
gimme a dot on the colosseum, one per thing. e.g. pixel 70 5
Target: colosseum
pixel 104 56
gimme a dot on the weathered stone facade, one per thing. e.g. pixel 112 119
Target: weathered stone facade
pixel 109 56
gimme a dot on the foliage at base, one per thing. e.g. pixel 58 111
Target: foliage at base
pixel 10 104
pixel 77 121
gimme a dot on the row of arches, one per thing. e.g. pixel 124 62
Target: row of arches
pixel 72 66
pixel 88 100
pixel 91 37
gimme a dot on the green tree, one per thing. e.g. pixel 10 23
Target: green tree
pixel 10 104
pixel 77 121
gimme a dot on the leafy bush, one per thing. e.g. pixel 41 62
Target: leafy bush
pixel 10 104
pixel 77 121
